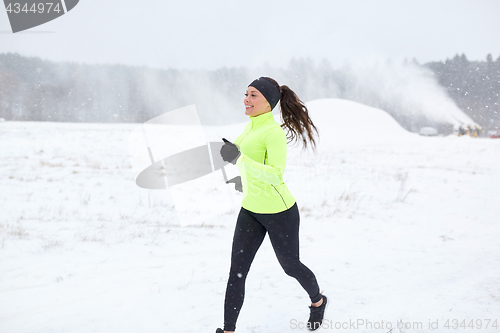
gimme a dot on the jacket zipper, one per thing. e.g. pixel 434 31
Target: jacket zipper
pixel 264 164
pixel 251 128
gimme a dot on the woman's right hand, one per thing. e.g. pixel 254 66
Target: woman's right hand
pixel 229 152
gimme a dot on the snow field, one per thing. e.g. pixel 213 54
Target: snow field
pixel 395 227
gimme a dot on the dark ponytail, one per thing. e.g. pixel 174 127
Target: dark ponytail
pixel 295 116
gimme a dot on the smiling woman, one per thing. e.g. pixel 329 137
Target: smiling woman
pixel 268 207
pixel 255 103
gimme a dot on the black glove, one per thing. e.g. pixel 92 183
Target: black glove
pixel 237 183
pixel 229 152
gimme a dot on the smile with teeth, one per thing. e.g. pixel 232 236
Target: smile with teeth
pixel 248 106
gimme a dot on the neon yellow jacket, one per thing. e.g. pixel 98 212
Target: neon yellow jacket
pixel 263 146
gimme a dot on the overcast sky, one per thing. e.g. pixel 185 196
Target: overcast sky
pixel 210 34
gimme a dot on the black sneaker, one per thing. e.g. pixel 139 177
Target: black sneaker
pixel 219 330
pixel 316 316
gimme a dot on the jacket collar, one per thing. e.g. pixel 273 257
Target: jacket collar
pixel 261 118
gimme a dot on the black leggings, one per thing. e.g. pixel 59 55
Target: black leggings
pixel 251 228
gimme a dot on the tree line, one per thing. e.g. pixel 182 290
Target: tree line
pixel 473 85
pixel 35 89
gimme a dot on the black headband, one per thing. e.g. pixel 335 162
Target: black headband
pixel 268 89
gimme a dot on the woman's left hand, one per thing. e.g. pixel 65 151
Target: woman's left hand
pixel 237 183
pixel 229 152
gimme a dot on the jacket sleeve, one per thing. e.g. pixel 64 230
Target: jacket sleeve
pixel 271 173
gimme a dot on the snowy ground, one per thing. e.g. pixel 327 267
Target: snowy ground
pixel 395 226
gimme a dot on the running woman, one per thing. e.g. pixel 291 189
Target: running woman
pixel 267 205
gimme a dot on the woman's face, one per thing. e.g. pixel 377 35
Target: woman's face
pixel 255 103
